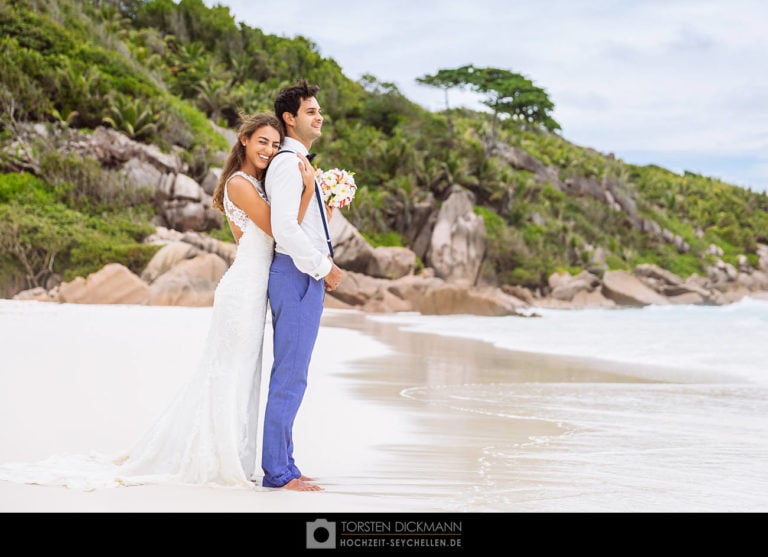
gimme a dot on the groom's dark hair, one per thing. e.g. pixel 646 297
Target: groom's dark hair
pixel 289 99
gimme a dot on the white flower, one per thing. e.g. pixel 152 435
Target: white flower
pixel 338 186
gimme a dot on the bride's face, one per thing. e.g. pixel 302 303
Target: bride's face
pixel 263 144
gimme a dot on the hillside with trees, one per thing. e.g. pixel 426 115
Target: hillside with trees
pixel 170 74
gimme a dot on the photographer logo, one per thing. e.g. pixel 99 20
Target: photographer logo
pixel 321 534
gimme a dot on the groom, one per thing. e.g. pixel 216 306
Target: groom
pixel 300 273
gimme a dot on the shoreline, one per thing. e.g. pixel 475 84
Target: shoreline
pixel 459 435
pixel 495 363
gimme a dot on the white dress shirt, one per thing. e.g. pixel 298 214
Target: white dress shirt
pixel 305 243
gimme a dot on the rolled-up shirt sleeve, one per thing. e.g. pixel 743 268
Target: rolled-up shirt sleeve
pixel 284 187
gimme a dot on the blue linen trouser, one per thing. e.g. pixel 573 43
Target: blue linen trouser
pixel 296 300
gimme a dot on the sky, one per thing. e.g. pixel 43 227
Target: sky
pixel 678 83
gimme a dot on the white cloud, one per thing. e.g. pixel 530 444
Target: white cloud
pixel 666 76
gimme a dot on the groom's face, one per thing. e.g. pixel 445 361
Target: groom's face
pixel 308 121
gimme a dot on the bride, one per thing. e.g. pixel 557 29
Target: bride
pixel 208 434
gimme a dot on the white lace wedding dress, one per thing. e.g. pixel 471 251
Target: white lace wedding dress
pixel 208 434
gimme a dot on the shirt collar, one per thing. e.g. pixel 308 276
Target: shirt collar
pixel 291 144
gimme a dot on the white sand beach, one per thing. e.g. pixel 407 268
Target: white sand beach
pixel 77 379
pixel 393 421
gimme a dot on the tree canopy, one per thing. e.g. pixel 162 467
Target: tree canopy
pixel 507 93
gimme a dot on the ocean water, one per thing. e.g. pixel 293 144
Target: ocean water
pixel 689 435
pixel 691 343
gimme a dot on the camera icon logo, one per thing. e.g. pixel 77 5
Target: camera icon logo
pixel 321 534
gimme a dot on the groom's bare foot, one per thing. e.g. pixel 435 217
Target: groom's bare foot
pixel 297 484
pixel 302 478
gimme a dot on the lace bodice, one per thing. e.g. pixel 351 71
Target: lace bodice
pixel 234 213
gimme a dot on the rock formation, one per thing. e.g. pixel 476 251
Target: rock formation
pixel 457 246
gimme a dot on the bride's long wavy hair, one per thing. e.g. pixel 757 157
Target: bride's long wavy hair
pixel 236 158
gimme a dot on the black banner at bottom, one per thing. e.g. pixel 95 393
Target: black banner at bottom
pixel 357 533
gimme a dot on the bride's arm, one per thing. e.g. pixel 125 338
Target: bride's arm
pixel 308 177
pixel 244 196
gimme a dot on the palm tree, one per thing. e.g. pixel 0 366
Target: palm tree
pixel 135 117
pixel 214 96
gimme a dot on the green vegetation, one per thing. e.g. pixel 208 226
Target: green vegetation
pixel 388 239
pixel 41 234
pixel 160 71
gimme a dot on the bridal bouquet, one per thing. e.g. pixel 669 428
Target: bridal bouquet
pixel 338 186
